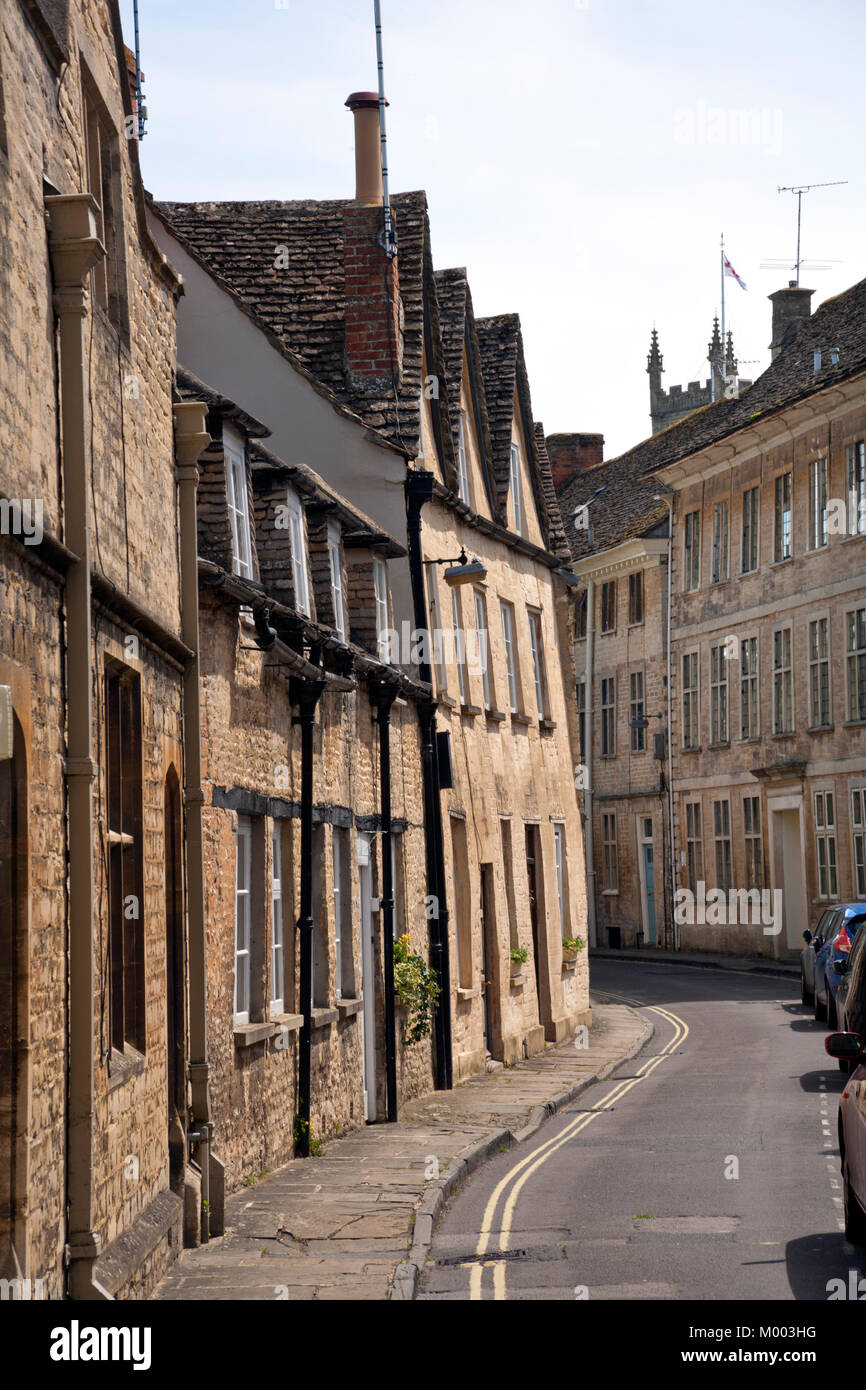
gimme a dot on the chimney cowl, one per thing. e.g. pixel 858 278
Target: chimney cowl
pixel 368 149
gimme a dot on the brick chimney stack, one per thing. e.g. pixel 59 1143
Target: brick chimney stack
pixel 374 347
pixel 791 307
pixel 573 453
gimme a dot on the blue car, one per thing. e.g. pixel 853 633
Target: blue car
pixel 835 948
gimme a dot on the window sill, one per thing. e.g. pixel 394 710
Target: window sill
pixel 720 583
pixel 854 723
pixel 820 728
pixel 470 711
pixel 495 716
pixel 516 982
pixel 524 719
pixel 714 747
pixel 347 1007
pixel 463 995
pixel 752 738
pixel 124 1066
pixel 610 892
pixel 320 1018
pixel 288 1023
pixel 777 564
pixel 693 748
pixel 447 700
pixel 637 623
pixel 789 733
pixel 636 752
pixel 546 725
pixel 248 1034
pixel 607 632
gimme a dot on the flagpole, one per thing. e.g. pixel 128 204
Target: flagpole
pixel 724 341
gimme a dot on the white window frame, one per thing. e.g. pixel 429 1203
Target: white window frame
pixel 818 532
pixel 339 906
pixel 243 917
pixel 380 588
pixel 609 852
pixel 855 660
pixel 723 844
pixel 783 517
pixel 480 604
pixel 855 474
pixel 783 679
pixel 750 690
pixel 278 944
pixel 721 542
pixel 719 730
pixel 692 551
pixel 819 661
pixel 826 860
pixel 607 686
pixel 751 529
pixel 754 841
pixel 691 702
pixel 858 840
pixel 335 559
pixel 298 548
pixel 694 844
pixel 514 484
pixel 238 501
pixel 637 709
pixel 507 613
pixel 536 643
pixel 463 463
pixel 459 647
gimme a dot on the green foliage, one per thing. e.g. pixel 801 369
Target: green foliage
pixel 302 1126
pixel 417 987
pixel 519 955
pixel 572 943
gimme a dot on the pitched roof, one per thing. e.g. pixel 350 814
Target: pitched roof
pixel 626 507
pixel 504 369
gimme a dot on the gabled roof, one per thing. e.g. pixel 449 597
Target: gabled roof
pixel 459 335
pixel 503 367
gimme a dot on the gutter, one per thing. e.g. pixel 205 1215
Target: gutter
pixel 384 699
pixel 589 853
pixel 75 248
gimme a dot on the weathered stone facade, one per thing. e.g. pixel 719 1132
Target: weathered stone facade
pixel 65 105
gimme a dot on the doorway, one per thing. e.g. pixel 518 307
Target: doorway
pixel 789 871
pixel 368 975
pixel 489 971
pixel 646 862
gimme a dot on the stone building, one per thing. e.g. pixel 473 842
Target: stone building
pixel 294 620
pixel 399 348
pixel 768 635
pixel 617 525
pixel 762 682
pixel 92 660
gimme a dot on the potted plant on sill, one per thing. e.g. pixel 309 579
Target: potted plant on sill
pixel 571 948
pixel 519 957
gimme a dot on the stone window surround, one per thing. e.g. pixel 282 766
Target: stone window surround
pixel 815 616
pixel 828 834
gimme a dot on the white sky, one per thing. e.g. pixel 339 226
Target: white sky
pixel 580 157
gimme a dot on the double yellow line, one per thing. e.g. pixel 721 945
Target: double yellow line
pixel 520 1174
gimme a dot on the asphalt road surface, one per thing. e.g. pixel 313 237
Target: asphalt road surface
pixel 705 1168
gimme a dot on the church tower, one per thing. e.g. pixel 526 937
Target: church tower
pixel 669 407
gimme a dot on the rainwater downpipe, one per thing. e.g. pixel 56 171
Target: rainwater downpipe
pixel 309 694
pixel 75 249
pixel 384 700
pixel 419 489
pixel 190 439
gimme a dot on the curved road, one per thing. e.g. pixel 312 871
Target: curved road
pixel 705 1168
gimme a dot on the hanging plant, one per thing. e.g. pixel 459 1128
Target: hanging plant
pixel 417 988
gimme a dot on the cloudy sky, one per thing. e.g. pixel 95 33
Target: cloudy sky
pixel 581 157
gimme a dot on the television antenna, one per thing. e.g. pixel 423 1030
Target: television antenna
pixel 799 190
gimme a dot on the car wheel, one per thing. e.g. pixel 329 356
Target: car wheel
pixel 805 992
pixel 855 1217
pixel 820 1006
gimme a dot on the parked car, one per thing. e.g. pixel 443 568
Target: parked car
pixel 850 1048
pixel 814 941
pixel 849 919
pixel 851 994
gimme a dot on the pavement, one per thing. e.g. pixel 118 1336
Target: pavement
pixel 357 1221
pixel 712 960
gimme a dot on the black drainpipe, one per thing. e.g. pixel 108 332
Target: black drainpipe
pixel 385 697
pixel 419 489
pixel 308 696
